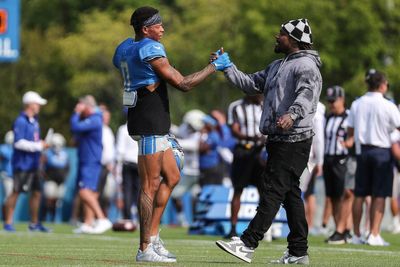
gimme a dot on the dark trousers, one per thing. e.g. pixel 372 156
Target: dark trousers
pixel 130 188
pixel 280 185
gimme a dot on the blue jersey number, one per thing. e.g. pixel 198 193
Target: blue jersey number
pixel 125 75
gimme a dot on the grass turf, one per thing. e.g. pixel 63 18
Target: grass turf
pixel 62 248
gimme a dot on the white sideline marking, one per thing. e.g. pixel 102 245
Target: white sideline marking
pixel 211 243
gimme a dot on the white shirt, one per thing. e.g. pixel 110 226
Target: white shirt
pixel 189 142
pixel 108 141
pixel 317 146
pixel 127 148
pixel 373 118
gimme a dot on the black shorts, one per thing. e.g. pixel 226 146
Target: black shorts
pixel 374 174
pixel 246 167
pixel 26 181
pixel 335 169
pixel 213 175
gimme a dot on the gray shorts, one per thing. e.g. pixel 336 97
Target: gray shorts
pixel 350 178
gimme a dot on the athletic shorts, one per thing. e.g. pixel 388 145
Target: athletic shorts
pixel 374 175
pixel 151 144
pixel 246 167
pixel 89 175
pixel 26 181
pixel 335 168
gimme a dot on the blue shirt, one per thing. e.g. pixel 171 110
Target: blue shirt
pixel 211 158
pixel 88 134
pixel 56 159
pixel 28 129
pixel 132 59
pixel 6 152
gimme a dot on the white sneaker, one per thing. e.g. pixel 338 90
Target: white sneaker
pixel 290 259
pixel 376 241
pixel 159 248
pixel 102 225
pixel 149 255
pixel 396 229
pixel 237 248
pixel 84 229
pixel 357 240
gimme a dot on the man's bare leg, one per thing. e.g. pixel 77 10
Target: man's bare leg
pixel 9 207
pixel 346 218
pixel 34 203
pixel 377 211
pixel 357 214
pixel 171 175
pixel 149 167
pixel 90 199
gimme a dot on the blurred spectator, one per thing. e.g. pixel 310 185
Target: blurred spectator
pixel 26 160
pixel 394 206
pixel 211 171
pixel 372 118
pixel 189 138
pixel 56 166
pixel 335 167
pixel 314 166
pixel 127 160
pixel 244 119
pixel 6 152
pixel 227 144
pixel 105 186
pixel 86 125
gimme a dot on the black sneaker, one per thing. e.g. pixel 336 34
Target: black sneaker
pixel 347 236
pixel 336 239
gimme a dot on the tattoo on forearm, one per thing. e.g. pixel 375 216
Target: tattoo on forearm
pixel 145 215
pixel 194 79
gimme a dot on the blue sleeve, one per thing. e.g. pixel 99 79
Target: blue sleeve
pixel 116 59
pixel 151 51
pixel 19 130
pixel 85 125
pixel 213 140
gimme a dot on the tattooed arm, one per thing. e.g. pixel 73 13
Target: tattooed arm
pixel 184 83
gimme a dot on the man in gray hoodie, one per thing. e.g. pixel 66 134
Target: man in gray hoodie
pixel 291 88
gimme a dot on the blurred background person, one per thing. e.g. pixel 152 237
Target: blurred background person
pixel 314 167
pixel 6 152
pixel 335 165
pixel 244 119
pixel 105 186
pixel 211 171
pixel 86 125
pixel 26 160
pixel 127 159
pixel 372 118
pixel 56 167
pixel 188 136
pixel 394 204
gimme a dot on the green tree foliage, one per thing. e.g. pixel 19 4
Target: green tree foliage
pixel 67 47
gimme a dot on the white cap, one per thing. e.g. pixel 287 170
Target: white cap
pixel 33 97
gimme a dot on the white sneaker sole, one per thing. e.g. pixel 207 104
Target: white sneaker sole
pixel 221 245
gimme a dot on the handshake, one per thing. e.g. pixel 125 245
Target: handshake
pixel 220 59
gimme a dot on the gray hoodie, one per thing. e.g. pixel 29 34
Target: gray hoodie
pixel 290 85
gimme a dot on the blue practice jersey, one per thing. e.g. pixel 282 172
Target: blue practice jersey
pixel 132 59
pixel 6 152
pixel 28 129
pixel 56 159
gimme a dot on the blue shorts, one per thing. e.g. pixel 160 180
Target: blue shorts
pixel 88 175
pixel 151 144
pixel 374 174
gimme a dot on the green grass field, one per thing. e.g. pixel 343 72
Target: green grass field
pixel 62 248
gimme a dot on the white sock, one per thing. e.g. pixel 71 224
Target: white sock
pixel 153 238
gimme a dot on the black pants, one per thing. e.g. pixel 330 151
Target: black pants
pixel 280 185
pixel 130 188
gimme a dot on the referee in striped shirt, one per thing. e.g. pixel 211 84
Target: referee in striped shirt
pixel 244 119
pixel 335 167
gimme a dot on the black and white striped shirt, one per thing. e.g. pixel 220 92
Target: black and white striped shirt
pixel 248 116
pixel 335 132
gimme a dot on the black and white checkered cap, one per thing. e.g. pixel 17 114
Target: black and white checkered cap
pixel 299 29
